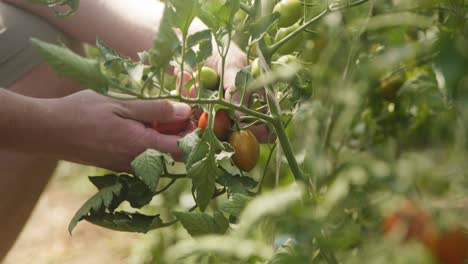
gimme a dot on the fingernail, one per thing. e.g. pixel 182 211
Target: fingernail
pixel 181 110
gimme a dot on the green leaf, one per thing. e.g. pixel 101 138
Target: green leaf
pixel 235 204
pixel 243 78
pixel 208 18
pixel 188 143
pixel 135 71
pixel 190 59
pixel 225 153
pixel 236 183
pixel 134 191
pixel 67 63
pixel 205 51
pixel 166 44
pixel 184 13
pixel 107 198
pixel 150 166
pixel 137 192
pixel 203 174
pixel 222 246
pixel 127 222
pixel 268 205
pixel 197 223
pixel 104 181
pixel 108 53
pixel 199 152
pixel 199 37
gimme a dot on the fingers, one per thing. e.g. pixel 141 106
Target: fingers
pixel 262 133
pixel 163 111
pixel 163 143
pixel 185 78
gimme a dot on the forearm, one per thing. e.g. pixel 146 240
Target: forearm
pixel 117 22
pixel 24 122
pixel 127 26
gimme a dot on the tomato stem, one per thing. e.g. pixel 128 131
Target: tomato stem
pixel 247 9
pixel 288 150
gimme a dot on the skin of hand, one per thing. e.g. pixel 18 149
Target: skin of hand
pixel 89 128
pixel 24 176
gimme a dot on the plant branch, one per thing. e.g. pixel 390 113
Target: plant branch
pixel 247 9
pixel 166 187
pixel 288 150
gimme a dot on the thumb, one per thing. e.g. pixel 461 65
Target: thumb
pixel 164 143
pixel 163 111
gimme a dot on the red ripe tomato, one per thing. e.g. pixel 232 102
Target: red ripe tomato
pixel 452 247
pixel 221 125
pixel 416 222
pixel 246 149
pixel 169 128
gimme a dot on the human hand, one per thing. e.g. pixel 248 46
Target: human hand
pixel 93 129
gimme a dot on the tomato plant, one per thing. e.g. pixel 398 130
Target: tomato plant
pixel 365 105
pixel 246 149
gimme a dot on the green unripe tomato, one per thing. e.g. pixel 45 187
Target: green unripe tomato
pixel 255 68
pixel 208 78
pixel 290 12
pixel 293 43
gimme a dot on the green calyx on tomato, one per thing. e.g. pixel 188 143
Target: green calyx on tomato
pixel 170 128
pixel 221 123
pixel 255 68
pixel 292 44
pixel 208 78
pixel 290 12
pixel 284 60
pixel 247 149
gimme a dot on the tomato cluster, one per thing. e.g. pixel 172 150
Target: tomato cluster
pixel 245 144
pixel 221 124
pixel 450 247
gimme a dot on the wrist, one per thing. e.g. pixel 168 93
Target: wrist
pixel 25 123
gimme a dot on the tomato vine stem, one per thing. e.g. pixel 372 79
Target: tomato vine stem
pixel 288 150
